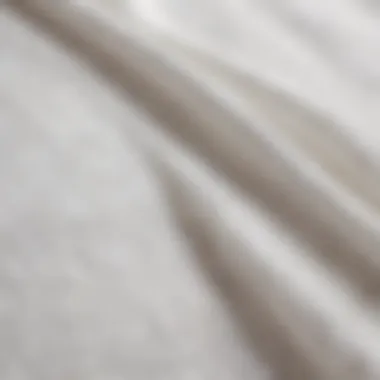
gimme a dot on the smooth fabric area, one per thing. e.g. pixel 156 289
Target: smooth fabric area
pixel 189 190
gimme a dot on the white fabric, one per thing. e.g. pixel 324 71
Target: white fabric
pixel 189 189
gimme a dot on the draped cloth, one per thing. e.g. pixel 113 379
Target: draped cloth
pixel 189 190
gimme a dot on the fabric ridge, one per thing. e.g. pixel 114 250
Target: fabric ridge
pixel 190 189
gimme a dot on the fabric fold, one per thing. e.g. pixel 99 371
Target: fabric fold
pixel 278 201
